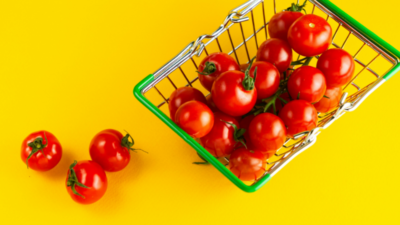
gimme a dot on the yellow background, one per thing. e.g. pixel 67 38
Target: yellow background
pixel 69 67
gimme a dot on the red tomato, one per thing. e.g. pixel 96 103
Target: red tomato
pixel 299 116
pixel 111 150
pixel 307 83
pixel 245 123
pixel 276 52
pixel 267 79
pixel 279 104
pixel 195 118
pixel 211 103
pixel 41 151
pixel 280 23
pixel 267 132
pixel 230 95
pixel 220 141
pixel 86 182
pixel 213 66
pixel 337 66
pixel 182 95
pixel 247 165
pixel 310 35
pixel 327 104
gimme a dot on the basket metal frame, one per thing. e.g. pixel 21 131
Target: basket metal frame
pixel 303 140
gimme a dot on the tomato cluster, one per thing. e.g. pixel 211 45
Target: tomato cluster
pixel 253 108
pixel 86 180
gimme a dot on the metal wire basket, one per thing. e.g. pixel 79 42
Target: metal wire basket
pixel 376 62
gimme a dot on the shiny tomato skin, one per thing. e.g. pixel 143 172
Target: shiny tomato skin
pixel 310 35
pixel 38 161
pixel 337 66
pixel 214 108
pixel 182 95
pixel 268 132
pixel 247 165
pixel 277 52
pixel 106 149
pixel 220 140
pixel 334 95
pixel 230 96
pixel 267 79
pixel 309 82
pixel 90 174
pixel 195 118
pixel 280 23
pixel 223 63
pixel 298 116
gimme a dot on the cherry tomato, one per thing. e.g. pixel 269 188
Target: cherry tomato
pixel 195 118
pixel 111 149
pixel 276 52
pixel 41 151
pixel 220 141
pixel 267 79
pixel 247 165
pixel 337 66
pixel 280 23
pixel 182 95
pixel 86 182
pixel 310 35
pixel 213 66
pixel 298 116
pixel 332 101
pixel 307 83
pixel 243 67
pixel 279 104
pixel 211 103
pixel 267 132
pixel 230 95
pixel 245 124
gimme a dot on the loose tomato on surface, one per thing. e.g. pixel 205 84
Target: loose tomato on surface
pixel 195 118
pixel 86 182
pixel 267 132
pixel 337 66
pixel 247 165
pixel 41 151
pixel 182 95
pixel 267 79
pixel 220 141
pixel 234 93
pixel 310 35
pixel 111 150
pixel 213 66
pixel 298 116
pixel 307 83
pixel 330 101
pixel 276 52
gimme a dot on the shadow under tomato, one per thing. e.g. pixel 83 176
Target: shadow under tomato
pixel 59 172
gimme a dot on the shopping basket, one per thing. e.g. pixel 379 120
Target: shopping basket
pixel 244 29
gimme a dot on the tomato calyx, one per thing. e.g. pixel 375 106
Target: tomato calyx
pixel 248 81
pixel 205 162
pixel 37 145
pixel 209 68
pixel 128 144
pixel 297 7
pixel 238 134
pixel 73 180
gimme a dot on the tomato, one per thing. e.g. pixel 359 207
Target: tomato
pixel 307 83
pixel 86 182
pixel 280 23
pixel 41 151
pixel 182 95
pixel 247 165
pixel 195 118
pixel 220 141
pixel 111 150
pixel 243 67
pixel 233 95
pixel 267 79
pixel 213 66
pixel 211 103
pixel 244 124
pixel 267 132
pixel 310 35
pixel 337 66
pixel 298 116
pixel 331 101
pixel 276 52
pixel 279 103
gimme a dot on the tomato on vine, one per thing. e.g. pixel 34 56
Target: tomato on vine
pixel 268 79
pixel 247 165
pixel 277 52
pixel 181 96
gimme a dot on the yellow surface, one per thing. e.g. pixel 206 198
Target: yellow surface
pixel 70 66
